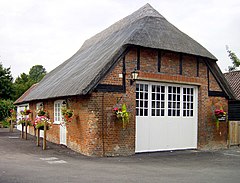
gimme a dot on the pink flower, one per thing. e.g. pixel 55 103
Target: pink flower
pixel 115 109
pixel 219 112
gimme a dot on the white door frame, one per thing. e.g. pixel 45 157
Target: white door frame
pixel 19 108
pixel 58 120
pixel 63 134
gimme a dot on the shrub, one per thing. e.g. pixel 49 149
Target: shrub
pixel 5 107
pixel 5 124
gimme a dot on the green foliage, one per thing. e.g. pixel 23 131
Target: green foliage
pixel 122 114
pixel 36 73
pixel 5 124
pixel 21 84
pixel 235 60
pixel 10 90
pixel 25 81
pixel 5 107
pixel 6 85
pixel 125 115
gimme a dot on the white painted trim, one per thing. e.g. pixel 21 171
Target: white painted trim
pixel 19 108
pixel 57 122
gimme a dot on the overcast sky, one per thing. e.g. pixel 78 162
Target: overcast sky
pixel 47 32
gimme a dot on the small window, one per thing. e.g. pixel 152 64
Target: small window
pixel 57 112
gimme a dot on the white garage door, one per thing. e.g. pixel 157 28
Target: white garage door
pixel 166 117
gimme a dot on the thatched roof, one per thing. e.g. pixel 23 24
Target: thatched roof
pixel 83 71
pixel 233 79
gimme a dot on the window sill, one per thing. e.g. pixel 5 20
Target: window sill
pixel 56 123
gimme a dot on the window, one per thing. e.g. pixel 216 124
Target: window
pixel 173 101
pixel 187 102
pixel 141 99
pixel 57 111
pixel 158 100
pixel 39 105
pixel 164 100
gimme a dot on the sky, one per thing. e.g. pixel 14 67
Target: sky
pixel 48 32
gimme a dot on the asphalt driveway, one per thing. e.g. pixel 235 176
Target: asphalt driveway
pixel 22 161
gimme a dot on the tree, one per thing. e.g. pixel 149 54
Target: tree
pixel 25 81
pixel 21 84
pixel 6 85
pixel 5 107
pixel 235 60
pixel 36 73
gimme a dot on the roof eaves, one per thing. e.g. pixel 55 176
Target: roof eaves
pixel 221 79
pixel 108 67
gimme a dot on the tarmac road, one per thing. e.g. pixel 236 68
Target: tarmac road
pixel 22 162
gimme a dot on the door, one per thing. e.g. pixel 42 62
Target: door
pixel 166 117
pixel 19 116
pixel 63 134
pixel 58 120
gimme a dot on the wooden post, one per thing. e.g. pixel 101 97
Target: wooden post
pixel 38 137
pixel 45 135
pixel 34 131
pixel 22 134
pixel 25 130
pixel 11 126
pixel 229 131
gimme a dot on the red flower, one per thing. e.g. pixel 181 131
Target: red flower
pixel 219 112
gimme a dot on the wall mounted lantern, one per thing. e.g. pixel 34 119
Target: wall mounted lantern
pixel 134 76
pixel 64 103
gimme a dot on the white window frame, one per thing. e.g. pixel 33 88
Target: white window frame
pixel 188 108
pixel 141 103
pixel 38 107
pixel 59 120
pixel 19 108
pixel 166 108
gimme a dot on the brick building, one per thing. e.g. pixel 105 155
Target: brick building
pixel 170 104
pixel 233 79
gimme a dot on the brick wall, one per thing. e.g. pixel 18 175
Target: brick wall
pixel 95 130
pixel 208 134
pixel 213 85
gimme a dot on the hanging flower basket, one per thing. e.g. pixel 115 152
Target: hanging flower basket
pixel 122 114
pixel 24 121
pixel 220 115
pixel 67 114
pixel 39 122
pixel 41 112
pixel 41 126
pixel 25 112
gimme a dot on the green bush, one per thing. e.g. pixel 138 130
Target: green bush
pixel 5 124
pixel 5 107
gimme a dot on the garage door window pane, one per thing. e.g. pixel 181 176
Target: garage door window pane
pixel 187 102
pixel 141 99
pixel 158 100
pixel 173 101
